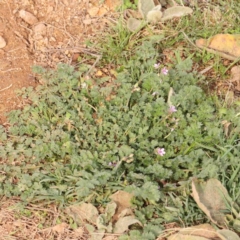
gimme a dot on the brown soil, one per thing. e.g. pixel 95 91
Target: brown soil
pixel 55 32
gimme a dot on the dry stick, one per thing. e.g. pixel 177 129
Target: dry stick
pixel 63 30
pixel 77 49
pixel 91 68
pixel 21 37
pixel 40 209
pixel 98 57
pixel 221 54
pixel 188 230
pixel 206 69
pixel 11 69
pixel 6 88
pixel 185 35
pixel 15 49
pixel 235 61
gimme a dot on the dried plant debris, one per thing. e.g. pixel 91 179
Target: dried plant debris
pixel 202 232
pixel 115 219
pixel 212 198
pixel 224 45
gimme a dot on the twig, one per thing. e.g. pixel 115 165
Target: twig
pixel 63 30
pixel 6 88
pixel 11 69
pixel 221 54
pixel 91 68
pixel 74 49
pixel 233 63
pixel 185 35
pixel 206 69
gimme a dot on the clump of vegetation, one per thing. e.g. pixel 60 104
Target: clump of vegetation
pixel 129 4
pixel 148 133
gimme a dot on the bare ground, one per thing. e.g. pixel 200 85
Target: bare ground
pixel 56 34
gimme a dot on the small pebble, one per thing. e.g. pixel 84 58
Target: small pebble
pixel 28 17
pixel 93 11
pixel 40 29
pixel 2 42
pixel 87 21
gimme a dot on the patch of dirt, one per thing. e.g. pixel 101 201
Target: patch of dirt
pixel 44 33
pixel 35 222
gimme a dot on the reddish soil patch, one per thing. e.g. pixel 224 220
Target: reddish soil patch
pixel 15 62
pixel 55 33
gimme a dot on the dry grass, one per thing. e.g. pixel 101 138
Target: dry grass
pixel 36 222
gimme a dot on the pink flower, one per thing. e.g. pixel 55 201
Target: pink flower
pixel 164 71
pixel 161 151
pixel 156 65
pixel 172 109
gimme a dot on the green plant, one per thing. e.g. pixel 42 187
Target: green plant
pixel 129 4
pixel 182 33
pixel 116 45
pixel 82 142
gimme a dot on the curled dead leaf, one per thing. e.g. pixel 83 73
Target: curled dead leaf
pixel 123 201
pixel 226 126
pixel 226 234
pixel 122 198
pixel 212 198
pixel 180 236
pixel 225 45
pixel 202 230
pixel 122 224
pixel 82 212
